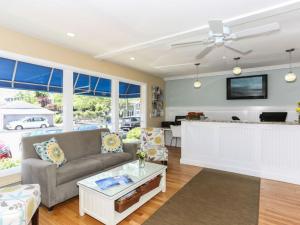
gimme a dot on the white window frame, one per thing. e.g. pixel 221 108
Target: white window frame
pixel 68 88
pixel 143 98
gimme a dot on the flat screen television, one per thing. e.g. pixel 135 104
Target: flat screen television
pixel 247 87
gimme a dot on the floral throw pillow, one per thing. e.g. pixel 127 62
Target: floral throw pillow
pixel 153 136
pixel 51 152
pixel 111 143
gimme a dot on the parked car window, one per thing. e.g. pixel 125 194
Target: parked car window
pixel 39 119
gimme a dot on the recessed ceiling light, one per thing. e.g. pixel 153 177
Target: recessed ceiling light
pixel 69 34
pixel 224 57
pixel 132 58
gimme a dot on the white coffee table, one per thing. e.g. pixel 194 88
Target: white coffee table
pixel 100 204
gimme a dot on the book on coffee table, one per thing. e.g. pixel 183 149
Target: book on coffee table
pixel 110 182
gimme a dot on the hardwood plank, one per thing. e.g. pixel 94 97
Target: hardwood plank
pixel 279 202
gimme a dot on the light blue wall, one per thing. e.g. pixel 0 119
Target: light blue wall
pixel 213 91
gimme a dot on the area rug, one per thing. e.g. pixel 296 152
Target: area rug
pixel 212 198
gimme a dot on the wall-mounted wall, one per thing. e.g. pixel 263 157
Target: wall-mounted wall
pixel 181 97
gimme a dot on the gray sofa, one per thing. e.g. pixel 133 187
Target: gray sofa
pixel 82 150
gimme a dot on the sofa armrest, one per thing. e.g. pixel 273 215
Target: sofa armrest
pixel 43 173
pixel 131 148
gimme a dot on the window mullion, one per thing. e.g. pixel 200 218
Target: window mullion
pixel 68 90
pixel 115 105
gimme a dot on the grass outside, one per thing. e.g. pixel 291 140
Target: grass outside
pixel 9 163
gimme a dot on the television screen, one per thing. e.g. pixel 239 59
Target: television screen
pixel 247 87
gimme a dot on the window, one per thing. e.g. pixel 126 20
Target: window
pixel 30 104
pixel 91 102
pixel 129 111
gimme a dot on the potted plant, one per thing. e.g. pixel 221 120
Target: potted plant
pixel 142 155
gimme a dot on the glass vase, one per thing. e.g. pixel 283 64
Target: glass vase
pixel 141 163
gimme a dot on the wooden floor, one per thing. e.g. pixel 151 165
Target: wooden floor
pixel 279 202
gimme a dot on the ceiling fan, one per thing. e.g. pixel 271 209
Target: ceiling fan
pixel 220 35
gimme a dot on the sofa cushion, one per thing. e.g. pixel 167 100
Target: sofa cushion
pixel 88 165
pixel 50 151
pixel 78 168
pixel 112 159
pixel 111 142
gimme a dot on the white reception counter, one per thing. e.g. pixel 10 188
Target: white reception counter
pixel 267 150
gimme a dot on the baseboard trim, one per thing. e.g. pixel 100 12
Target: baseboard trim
pixel 270 175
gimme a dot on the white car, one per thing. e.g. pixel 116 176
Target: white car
pixel 28 122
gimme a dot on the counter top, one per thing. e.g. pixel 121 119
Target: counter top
pixel 243 122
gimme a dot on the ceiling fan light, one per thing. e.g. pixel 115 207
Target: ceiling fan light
pixel 290 77
pixel 237 70
pixel 197 84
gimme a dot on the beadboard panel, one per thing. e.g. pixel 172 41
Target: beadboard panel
pixel 269 151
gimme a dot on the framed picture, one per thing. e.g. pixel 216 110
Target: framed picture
pixel 157 102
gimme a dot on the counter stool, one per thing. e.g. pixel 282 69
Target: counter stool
pixel 176 133
pixel 19 205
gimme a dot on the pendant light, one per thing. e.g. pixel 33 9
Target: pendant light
pixel 236 70
pixel 197 83
pixel 290 76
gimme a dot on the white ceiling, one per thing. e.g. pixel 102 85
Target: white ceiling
pixel 116 30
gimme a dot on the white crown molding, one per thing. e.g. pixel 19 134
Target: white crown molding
pixel 229 72
pixel 238 20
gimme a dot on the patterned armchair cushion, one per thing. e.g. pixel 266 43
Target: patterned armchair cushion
pixel 19 203
pixel 111 142
pixel 153 136
pixel 156 153
pixel 152 141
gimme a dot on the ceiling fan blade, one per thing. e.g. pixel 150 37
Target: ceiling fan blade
pixel 175 65
pixel 238 50
pixel 256 31
pixel 205 52
pixel 216 27
pixel 191 43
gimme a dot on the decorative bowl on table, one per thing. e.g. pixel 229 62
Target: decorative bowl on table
pixel 194 115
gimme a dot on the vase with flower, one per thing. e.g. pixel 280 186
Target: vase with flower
pixel 141 155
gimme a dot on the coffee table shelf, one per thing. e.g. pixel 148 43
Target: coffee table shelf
pixel 101 204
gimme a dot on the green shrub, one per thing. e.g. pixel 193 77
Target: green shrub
pixel 58 119
pixel 135 133
pixel 8 163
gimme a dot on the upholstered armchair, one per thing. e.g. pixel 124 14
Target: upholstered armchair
pixel 19 205
pixel 153 142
